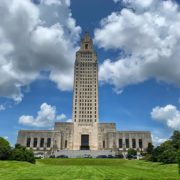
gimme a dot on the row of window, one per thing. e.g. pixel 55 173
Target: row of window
pixel 86 68
pixel 83 98
pixel 35 142
pixel 86 97
pixel 86 120
pixel 86 71
pixel 85 112
pixel 85 116
pixel 87 90
pixel 85 124
pixel 85 108
pixel 86 82
pixel 89 75
pixel 85 78
pixel 87 56
pixel 87 85
pixel 84 92
pixel 127 143
pixel 82 64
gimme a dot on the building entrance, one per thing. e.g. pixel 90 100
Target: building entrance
pixel 84 142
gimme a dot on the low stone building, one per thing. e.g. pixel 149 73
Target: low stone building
pixel 85 132
pixel 61 138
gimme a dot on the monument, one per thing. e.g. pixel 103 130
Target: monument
pixel 85 133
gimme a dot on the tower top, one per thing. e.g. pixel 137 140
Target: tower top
pixel 86 43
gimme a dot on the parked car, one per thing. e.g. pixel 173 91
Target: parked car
pixel 62 156
pixel 131 157
pixel 39 155
pixel 110 156
pixel 87 156
pixel 101 156
pixel 52 156
pixel 119 156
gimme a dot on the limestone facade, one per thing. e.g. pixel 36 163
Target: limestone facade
pixel 61 138
pixel 85 132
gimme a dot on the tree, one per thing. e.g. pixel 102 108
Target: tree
pixel 150 148
pixel 20 153
pixel 176 139
pixel 4 149
pixel 132 152
pixel 168 156
pixel 164 153
pixel 178 160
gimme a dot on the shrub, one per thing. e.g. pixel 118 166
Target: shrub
pixel 20 153
pixel 168 156
pixel 132 152
pixel 4 149
pixel 178 160
pixel 150 148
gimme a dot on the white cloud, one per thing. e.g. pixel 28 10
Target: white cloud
pixel 179 100
pixel 2 107
pixel 157 140
pixel 69 120
pixel 61 117
pixel 46 117
pixel 137 3
pixel 147 34
pixel 6 137
pixel 168 114
pixel 32 40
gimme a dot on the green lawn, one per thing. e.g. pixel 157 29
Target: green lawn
pixel 93 169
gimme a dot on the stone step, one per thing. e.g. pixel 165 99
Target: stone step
pixel 83 153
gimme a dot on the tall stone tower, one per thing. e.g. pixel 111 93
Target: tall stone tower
pixel 85 97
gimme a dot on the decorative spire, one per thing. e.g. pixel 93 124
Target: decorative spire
pixel 86 42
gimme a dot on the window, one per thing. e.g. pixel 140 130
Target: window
pixel 28 142
pixel 127 143
pixel 42 142
pixel 65 143
pixel 86 46
pixel 120 143
pixel 103 144
pixel 133 143
pixel 48 142
pixel 140 143
pixel 35 142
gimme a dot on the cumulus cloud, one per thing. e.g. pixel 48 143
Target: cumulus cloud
pixel 6 137
pixel 2 107
pixel 147 36
pixel 168 114
pixel 158 140
pixel 46 117
pixel 33 39
pixel 61 117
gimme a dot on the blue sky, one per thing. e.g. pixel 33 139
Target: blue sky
pixel 137 46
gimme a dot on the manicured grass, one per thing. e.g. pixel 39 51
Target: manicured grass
pixel 92 169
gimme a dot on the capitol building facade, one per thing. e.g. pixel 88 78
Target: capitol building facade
pixel 85 132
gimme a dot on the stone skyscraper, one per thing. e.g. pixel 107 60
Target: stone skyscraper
pixel 85 98
pixel 85 132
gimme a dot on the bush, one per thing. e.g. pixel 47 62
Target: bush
pixel 178 160
pixel 5 149
pixel 176 139
pixel 150 148
pixel 20 153
pixel 168 156
pixel 132 152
